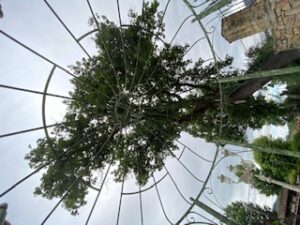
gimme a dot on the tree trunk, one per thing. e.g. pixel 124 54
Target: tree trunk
pixel 276 61
pixel 247 88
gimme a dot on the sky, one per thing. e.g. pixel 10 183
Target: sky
pixel 33 24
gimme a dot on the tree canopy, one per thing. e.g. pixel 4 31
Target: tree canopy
pixel 248 213
pixel 130 102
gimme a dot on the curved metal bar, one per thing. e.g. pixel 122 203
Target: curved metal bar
pixel 87 34
pixel 193 221
pixel 207 223
pixel 97 197
pixel 196 154
pixel 160 201
pixel 190 172
pixel 189 49
pixel 44 107
pixel 177 188
pixel 164 12
pixel 146 189
pixel 217 204
pixel 179 28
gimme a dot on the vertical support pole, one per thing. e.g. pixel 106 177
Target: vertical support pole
pixel 3 209
pixel 279 183
pixel 213 212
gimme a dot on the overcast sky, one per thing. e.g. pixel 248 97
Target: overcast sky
pixel 32 23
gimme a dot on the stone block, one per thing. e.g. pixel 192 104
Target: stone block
pixel 276 34
pixel 295 3
pixel 292 11
pixel 296 31
pixel 286 6
pixel 279 20
pixel 278 11
pixel 272 5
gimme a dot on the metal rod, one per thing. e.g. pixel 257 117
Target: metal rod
pixel 36 53
pixel 67 29
pixel 97 197
pixel 27 130
pixel 120 202
pixel 160 201
pixel 33 91
pixel 260 74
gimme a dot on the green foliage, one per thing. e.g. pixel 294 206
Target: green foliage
pixel 279 167
pixel 241 213
pixel 295 142
pixel 276 166
pixel 258 55
pixel 125 109
pixel 292 176
pixel 129 103
pixel 254 113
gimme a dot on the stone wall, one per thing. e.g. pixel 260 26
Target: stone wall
pixel 287 29
pixel 246 22
pixel 280 16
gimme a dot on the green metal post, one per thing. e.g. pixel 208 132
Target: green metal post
pixel 268 150
pixel 279 183
pixel 220 4
pixel 260 74
pixel 3 209
pixel 213 212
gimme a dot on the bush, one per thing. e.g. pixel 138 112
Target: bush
pixel 295 142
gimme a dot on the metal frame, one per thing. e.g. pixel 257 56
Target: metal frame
pixel 155 185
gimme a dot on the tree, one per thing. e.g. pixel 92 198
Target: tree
pixel 249 213
pixel 129 103
pixel 278 167
pixel 258 55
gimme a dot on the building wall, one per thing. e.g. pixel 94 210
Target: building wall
pixel 280 16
